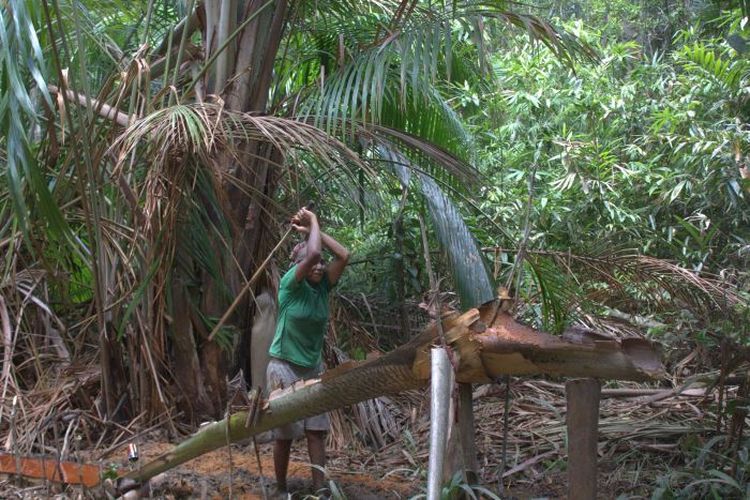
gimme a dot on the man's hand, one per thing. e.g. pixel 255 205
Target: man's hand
pixel 301 229
pixel 302 221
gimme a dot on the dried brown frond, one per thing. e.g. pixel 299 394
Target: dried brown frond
pixel 182 142
pixel 633 282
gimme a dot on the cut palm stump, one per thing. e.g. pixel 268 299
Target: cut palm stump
pixel 485 346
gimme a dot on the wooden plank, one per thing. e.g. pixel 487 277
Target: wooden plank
pixel 50 469
pixel 467 432
pixel 582 397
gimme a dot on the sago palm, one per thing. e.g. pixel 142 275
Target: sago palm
pixel 151 146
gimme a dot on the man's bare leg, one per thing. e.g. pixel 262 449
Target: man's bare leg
pixel 316 447
pixel 281 451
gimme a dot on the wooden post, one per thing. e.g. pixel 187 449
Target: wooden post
pixel 466 430
pixel 440 392
pixel 582 420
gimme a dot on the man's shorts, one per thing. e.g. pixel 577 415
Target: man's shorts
pixel 281 374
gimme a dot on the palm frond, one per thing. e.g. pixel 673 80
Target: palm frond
pixel 199 232
pixel 626 280
pixel 440 163
pixel 204 129
pixel 185 141
pixel 564 45
pixel 20 58
pixel 404 60
pixel 431 156
pixel 469 269
pixel 558 292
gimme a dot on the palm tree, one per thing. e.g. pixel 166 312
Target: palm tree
pixel 152 146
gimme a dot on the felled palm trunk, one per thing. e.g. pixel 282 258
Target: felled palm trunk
pixel 486 344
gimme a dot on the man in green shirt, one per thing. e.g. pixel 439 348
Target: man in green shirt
pixel 298 341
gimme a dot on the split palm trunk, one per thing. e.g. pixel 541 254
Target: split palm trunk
pixel 486 344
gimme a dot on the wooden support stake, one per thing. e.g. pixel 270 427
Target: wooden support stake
pixel 466 429
pixel 582 420
pixel 440 393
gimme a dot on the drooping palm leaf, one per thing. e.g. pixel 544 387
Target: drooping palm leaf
pixel 469 269
pixel 21 57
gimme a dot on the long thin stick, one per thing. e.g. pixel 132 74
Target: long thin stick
pixel 229 448
pixel 250 283
pixel 247 286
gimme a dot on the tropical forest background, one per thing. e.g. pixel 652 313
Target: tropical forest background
pixel 590 159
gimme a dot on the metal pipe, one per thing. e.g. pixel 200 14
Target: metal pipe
pixel 440 392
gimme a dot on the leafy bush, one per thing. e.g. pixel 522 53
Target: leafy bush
pixel 709 474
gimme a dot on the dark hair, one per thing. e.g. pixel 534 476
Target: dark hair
pixel 298 252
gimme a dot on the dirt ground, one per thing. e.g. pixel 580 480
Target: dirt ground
pixel 357 476
pixel 630 456
pixel 236 474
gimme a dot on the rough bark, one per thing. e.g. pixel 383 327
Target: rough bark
pixel 243 75
pixel 258 45
pixel 187 370
pixel 467 432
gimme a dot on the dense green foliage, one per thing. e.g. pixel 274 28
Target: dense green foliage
pixel 644 148
pixel 602 164
pixel 631 150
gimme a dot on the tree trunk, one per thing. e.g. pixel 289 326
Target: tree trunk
pixel 467 432
pixel 187 372
pixel 242 75
pixel 399 269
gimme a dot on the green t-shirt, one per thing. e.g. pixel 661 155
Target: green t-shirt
pixel 302 321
